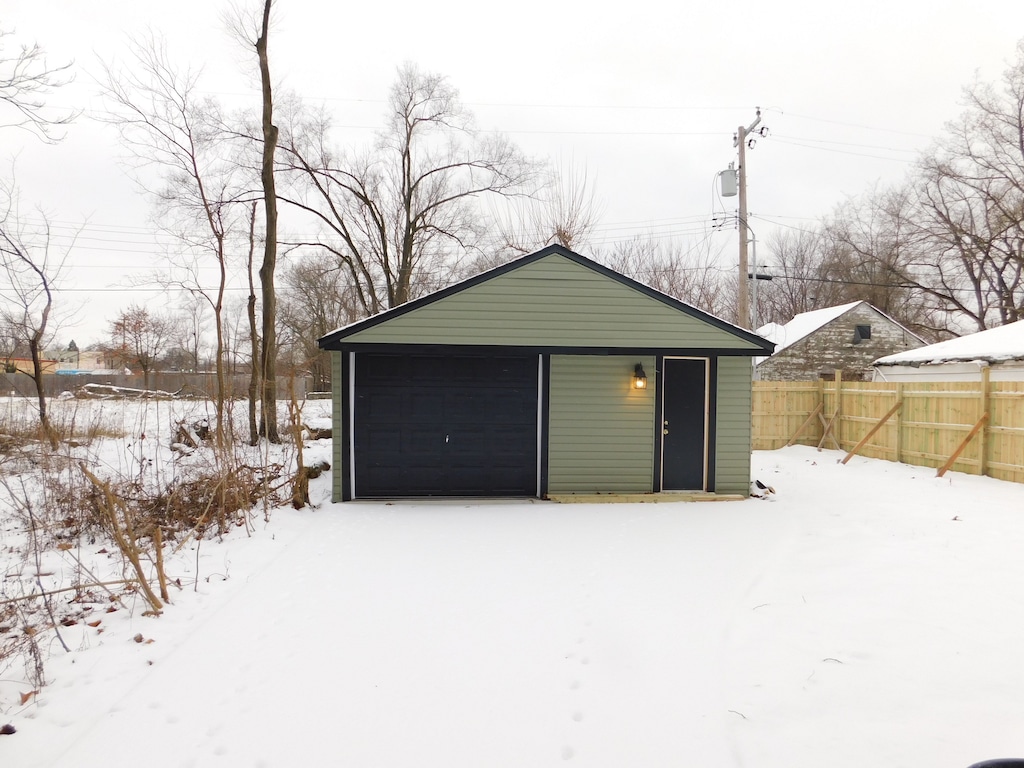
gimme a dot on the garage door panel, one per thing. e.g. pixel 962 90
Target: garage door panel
pixel 421 441
pixel 424 371
pixel 509 437
pixel 445 426
pixel 421 406
pixel 463 405
pixel 383 439
pixel 468 440
pixel 380 404
pixel 492 481
pixel 379 480
pixel 387 370
pixel 426 478
pixel 508 408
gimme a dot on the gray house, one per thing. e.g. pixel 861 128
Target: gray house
pixel 551 374
pixel 846 338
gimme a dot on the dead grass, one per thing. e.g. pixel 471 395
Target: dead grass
pixel 136 497
pixel 20 428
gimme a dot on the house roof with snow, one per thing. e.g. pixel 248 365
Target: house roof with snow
pixel 806 323
pixel 802 325
pixel 846 338
pixel 1000 344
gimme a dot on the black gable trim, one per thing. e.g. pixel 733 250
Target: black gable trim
pixel 484 350
pixel 334 340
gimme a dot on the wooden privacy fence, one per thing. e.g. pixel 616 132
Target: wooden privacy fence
pixel 975 427
pixel 197 384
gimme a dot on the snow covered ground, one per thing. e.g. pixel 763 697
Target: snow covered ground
pixel 873 615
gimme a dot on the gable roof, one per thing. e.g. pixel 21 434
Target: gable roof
pixel 554 297
pixel 1003 343
pixel 806 323
pixel 803 325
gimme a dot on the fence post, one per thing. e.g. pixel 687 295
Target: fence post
pixel 983 437
pixel 839 409
pixel 823 393
pixel 899 424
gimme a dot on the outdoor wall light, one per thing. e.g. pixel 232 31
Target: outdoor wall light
pixel 639 377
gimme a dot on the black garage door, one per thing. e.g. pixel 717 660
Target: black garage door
pixel 445 426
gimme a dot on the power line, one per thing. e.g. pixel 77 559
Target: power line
pixel 785 226
pixel 844 152
pixel 834 281
pixel 843 143
pixel 855 125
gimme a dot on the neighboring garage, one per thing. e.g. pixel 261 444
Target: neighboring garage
pixel 551 374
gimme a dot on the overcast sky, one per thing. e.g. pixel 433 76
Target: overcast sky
pixel 645 95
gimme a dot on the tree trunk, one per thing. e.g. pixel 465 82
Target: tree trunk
pixel 218 359
pixel 268 345
pixel 254 336
pixel 37 376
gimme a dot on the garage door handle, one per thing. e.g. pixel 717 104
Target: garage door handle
pixel 446 438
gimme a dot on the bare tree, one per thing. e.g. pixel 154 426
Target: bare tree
pixel 400 216
pixel 189 324
pixel 564 211
pixel 688 275
pixel 970 207
pixel 168 125
pixel 138 338
pixel 25 79
pixel 268 342
pixel 867 250
pixel 317 300
pixel 30 265
pixel 255 378
pixel 9 341
pixel 862 252
pixel 31 268
pixel 250 26
pixel 797 285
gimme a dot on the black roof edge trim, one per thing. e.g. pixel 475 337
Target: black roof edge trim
pixel 332 340
pixel 476 350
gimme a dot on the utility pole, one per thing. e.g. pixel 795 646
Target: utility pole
pixel 740 141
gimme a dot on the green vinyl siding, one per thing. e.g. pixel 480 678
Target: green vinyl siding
pixel 337 438
pixel 553 301
pixel 732 424
pixel 601 430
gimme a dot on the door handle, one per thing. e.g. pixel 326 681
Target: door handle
pixel 664 431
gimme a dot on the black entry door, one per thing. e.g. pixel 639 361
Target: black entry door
pixel 445 426
pixel 684 413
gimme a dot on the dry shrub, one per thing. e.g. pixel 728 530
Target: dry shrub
pixel 195 503
pixel 131 497
pixel 197 500
pixel 19 642
pixel 20 427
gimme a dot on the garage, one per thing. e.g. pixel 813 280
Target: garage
pixel 445 426
pixel 546 376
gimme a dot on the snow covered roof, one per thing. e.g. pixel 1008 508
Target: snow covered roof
pixel 802 325
pixel 994 345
